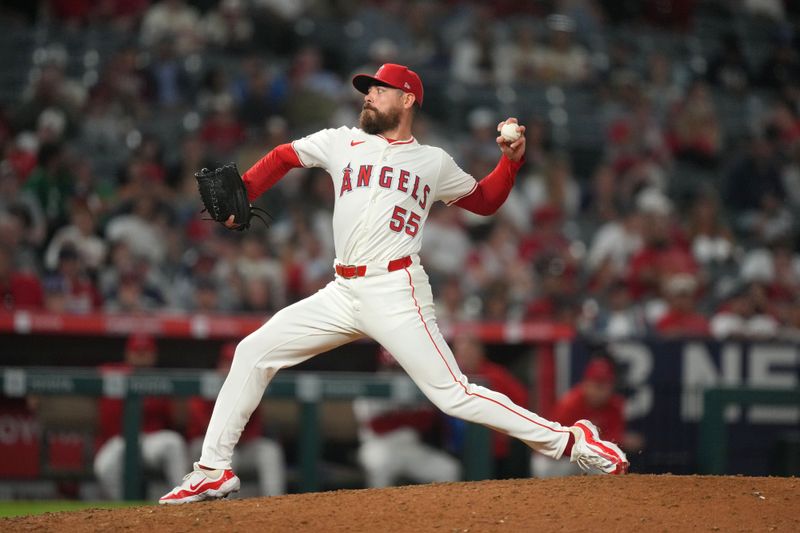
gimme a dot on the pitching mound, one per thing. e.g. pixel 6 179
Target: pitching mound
pixel 662 503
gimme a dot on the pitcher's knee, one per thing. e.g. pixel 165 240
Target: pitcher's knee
pixel 248 352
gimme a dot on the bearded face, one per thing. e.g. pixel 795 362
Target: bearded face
pixel 374 122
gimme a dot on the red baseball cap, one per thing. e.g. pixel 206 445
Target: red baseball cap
pixel 600 371
pixel 391 75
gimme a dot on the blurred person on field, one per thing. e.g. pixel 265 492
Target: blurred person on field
pixel 471 357
pixel 254 452
pixel 594 399
pixel 161 447
pixel 392 436
pixel 681 318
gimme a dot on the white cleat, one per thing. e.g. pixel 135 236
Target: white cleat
pixel 200 484
pixel 593 455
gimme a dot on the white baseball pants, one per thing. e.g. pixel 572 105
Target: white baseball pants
pixel 163 449
pixel 396 310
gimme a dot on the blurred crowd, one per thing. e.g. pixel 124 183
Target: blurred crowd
pixel 683 221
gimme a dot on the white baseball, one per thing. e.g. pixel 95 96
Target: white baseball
pixel 509 132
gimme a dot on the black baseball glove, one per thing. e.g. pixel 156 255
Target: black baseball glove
pixel 224 194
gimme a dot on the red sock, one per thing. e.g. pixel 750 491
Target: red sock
pixel 570 443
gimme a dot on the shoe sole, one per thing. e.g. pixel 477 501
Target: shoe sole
pixel 226 489
pixel 606 450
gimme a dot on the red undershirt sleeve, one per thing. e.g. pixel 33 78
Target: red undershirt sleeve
pixel 492 190
pixel 269 170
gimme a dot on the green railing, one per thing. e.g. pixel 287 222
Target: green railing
pixel 309 389
pixel 712 447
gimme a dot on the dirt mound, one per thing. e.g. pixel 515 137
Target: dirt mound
pixel 655 503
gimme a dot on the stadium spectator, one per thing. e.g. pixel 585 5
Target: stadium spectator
pixel 729 68
pixel 563 60
pixel 18 290
pixel 618 316
pixel 695 134
pixel 228 26
pixel 162 448
pixel 80 235
pixel 254 453
pixel 52 183
pixel 173 20
pixel 392 439
pixel 664 250
pixel 744 315
pixel 681 318
pixel 80 295
pixel 711 240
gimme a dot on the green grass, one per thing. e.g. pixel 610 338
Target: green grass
pixel 26 508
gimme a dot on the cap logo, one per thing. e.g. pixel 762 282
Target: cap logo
pixel 406 85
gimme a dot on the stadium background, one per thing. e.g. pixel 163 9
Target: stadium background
pixel 658 206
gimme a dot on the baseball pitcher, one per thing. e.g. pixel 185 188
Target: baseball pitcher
pixel 385 183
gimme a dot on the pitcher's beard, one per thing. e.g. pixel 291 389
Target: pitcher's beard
pixel 374 122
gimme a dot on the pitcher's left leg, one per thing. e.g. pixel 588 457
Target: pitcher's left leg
pixel 400 317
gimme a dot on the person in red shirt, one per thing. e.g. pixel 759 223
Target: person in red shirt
pixel 17 290
pixel 681 318
pixel 161 447
pixel 254 452
pixel 592 399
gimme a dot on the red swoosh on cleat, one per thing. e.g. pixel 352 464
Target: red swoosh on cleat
pixel 194 487
pixel 356 143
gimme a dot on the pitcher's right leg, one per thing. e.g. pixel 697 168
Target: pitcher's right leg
pixel 316 324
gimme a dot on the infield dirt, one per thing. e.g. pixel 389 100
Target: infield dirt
pixel 598 504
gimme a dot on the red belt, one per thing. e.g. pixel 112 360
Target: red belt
pixel 357 271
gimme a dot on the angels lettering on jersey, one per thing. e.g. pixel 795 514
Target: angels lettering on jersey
pixel 386 180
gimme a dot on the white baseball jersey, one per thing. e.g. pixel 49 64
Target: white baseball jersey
pixel 384 190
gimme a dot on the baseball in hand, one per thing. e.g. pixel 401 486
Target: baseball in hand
pixel 510 132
